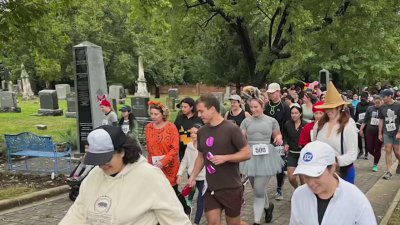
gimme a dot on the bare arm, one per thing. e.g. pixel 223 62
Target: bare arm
pixel 246 114
pixel 380 134
pixel 276 134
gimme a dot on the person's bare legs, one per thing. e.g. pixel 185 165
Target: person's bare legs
pixel 396 149
pixel 388 156
pixel 292 178
pixel 214 217
pixel 234 221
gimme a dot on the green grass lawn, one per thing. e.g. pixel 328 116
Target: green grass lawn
pixel 12 192
pixel 395 218
pixel 14 123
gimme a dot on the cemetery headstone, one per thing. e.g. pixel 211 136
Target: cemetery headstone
pixel 8 102
pixel 71 105
pixel 219 96
pixel 3 85
pixel 140 107
pixel 49 103
pixel 26 84
pixel 10 86
pixel 227 92
pixel 91 86
pixel 173 93
pixel 117 92
pixel 63 90
pixel 19 83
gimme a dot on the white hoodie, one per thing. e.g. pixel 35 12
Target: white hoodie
pixel 139 194
pixel 188 160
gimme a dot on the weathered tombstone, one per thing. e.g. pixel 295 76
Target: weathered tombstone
pixel 49 103
pixel 117 93
pixel 16 88
pixel 219 96
pixel 171 103
pixel 63 90
pixel 10 86
pixel 8 102
pixel 140 107
pixel 26 84
pixel 3 85
pixel 19 83
pixel 71 105
pixel 126 91
pixel 90 85
pixel 227 92
pixel 173 93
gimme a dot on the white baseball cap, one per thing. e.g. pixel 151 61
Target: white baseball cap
pixel 314 158
pixel 272 87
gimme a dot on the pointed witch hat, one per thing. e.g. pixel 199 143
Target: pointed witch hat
pixel 333 99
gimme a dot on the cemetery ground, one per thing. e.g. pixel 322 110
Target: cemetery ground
pixel 17 184
pixel 62 129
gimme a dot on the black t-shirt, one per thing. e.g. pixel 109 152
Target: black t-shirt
pixel 391 117
pixel 360 111
pixel 371 120
pixel 279 111
pixel 238 118
pixel 223 139
pixel 291 135
pixel 183 124
pixel 322 204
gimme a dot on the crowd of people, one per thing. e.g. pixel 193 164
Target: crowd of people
pixel 311 136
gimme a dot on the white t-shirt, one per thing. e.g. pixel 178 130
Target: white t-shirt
pixel 348 206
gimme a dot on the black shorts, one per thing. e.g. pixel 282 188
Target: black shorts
pixel 229 200
pixel 293 159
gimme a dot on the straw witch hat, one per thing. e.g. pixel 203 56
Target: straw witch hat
pixel 333 99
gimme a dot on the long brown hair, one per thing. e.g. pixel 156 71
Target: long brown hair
pixel 344 118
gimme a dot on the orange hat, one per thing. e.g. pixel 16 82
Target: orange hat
pixel 332 99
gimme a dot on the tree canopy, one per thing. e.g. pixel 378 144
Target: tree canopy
pixel 214 42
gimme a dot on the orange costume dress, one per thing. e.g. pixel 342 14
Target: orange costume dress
pixel 163 145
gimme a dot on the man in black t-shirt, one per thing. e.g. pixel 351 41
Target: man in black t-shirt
pixel 184 121
pixel 389 131
pixel 221 146
pixel 280 111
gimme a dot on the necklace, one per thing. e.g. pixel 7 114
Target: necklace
pixel 272 110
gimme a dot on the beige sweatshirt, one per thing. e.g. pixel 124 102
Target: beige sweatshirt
pixel 139 194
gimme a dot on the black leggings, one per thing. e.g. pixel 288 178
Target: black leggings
pixel 182 199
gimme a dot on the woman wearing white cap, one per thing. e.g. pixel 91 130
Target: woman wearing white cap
pixel 338 129
pixel 123 189
pixel 324 199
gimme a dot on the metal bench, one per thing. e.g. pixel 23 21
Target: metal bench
pixel 31 145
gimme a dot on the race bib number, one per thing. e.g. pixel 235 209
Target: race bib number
pixel 125 128
pixel 390 126
pixel 104 122
pixel 361 116
pixel 156 159
pixel 374 121
pixel 260 149
pixel 280 150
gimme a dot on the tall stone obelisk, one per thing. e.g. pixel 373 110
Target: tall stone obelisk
pixel 141 81
pixel 142 96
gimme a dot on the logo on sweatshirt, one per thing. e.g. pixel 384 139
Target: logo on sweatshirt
pixel 102 204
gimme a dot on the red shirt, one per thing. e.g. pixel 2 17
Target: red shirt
pixel 305 136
